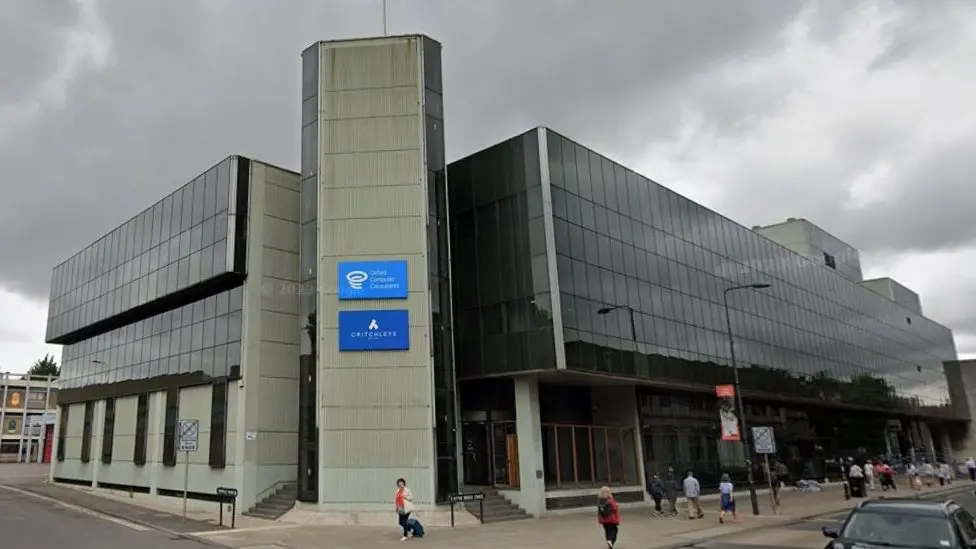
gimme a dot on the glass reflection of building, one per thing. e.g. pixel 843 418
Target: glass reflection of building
pixel 547 232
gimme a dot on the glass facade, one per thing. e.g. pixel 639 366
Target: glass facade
pixel 501 275
pixel 308 265
pixel 623 240
pixel 202 339
pixel 439 259
pixel 179 242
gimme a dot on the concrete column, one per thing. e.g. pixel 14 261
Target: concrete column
pixel 98 425
pixel 23 424
pixel 946 444
pixel 915 440
pixel 528 427
pixel 154 446
pixel 887 439
pixel 641 466
pixel 927 440
pixel 47 399
pixel 3 403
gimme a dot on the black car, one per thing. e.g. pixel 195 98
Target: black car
pixel 905 524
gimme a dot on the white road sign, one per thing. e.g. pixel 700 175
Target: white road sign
pixel 189 435
pixel 763 440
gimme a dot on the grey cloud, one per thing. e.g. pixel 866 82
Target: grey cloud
pixel 29 34
pixel 930 208
pixel 192 82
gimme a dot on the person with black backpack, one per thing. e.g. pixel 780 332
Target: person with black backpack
pixel 608 515
pixel 656 490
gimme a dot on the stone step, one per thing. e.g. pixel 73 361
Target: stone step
pixel 262 514
pixel 275 505
pixel 506 518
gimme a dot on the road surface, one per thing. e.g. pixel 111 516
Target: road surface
pixel 807 534
pixel 31 522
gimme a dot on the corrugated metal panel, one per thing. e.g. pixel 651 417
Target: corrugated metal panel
pixel 375 202
pixel 387 66
pixel 378 169
pixel 374 103
pixel 280 327
pixel 372 485
pixel 372 204
pixel 385 448
pixel 397 133
pixel 376 417
pixel 400 236
pixel 369 386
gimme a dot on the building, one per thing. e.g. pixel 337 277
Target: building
pixel 209 306
pixel 374 201
pixel 817 245
pixel 187 311
pixel 27 415
pixel 591 334
pixel 534 317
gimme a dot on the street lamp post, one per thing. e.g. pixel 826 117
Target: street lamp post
pixel 633 326
pixel 743 433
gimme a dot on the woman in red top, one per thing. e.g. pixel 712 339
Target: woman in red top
pixel 608 514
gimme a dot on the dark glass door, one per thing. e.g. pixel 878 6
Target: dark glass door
pixel 477 471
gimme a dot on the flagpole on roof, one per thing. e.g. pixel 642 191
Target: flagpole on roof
pixel 385 33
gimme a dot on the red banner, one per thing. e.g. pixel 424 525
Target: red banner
pixel 728 418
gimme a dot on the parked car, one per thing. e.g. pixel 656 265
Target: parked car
pixel 905 524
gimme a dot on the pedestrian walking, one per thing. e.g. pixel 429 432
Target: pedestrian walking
pixel 780 475
pixel 926 473
pixel 671 492
pixel 655 488
pixel 692 493
pixel 869 474
pixel 945 474
pixel 608 515
pixel 971 467
pixel 403 505
pixel 726 499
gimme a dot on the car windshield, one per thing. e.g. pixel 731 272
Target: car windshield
pixel 900 530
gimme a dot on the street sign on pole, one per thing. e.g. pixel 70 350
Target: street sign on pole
pixel 188 442
pixel 189 435
pixel 763 440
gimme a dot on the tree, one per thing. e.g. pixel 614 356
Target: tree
pixel 44 367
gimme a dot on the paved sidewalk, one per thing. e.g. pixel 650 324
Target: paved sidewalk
pixel 638 529
pixel 109 506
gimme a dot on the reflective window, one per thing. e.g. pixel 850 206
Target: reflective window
pixel 178 242
pixel 201 337
pixel 501 282
pixel 642 274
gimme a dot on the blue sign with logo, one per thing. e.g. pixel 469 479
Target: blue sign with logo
pixel 373 279
pixel 374 330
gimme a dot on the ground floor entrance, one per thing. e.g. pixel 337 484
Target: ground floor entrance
pixel 490 453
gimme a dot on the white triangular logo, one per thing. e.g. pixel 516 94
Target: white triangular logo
pixel 373 325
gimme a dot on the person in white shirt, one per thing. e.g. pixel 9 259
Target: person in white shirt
pixel 692 491
pixel 927 473
pixel 913 482
pixel 869 474
pixel 971 467
pixel 945 474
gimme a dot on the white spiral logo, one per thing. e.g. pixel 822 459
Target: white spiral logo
pixel 356 279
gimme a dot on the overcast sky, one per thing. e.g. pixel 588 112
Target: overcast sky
pixel 855 115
